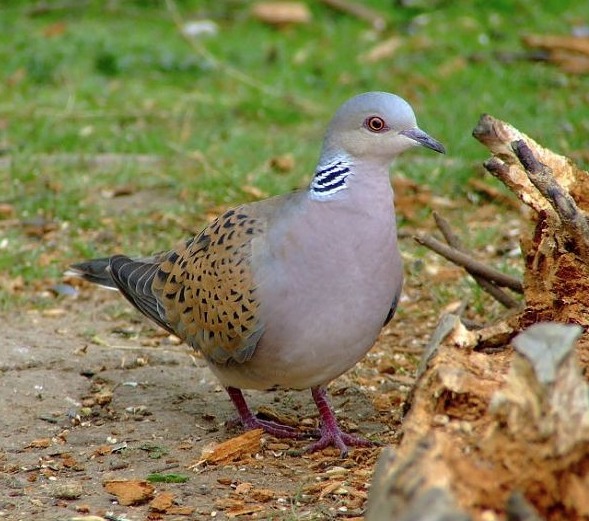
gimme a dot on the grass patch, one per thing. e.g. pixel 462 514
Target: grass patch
pixel 121 79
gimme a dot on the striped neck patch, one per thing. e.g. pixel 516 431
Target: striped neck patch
pixel 329 179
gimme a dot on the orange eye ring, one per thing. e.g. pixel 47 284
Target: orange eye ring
pixel 375 124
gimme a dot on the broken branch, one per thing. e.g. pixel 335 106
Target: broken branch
pixel 466 261
pixel 572 219
pixel 492 289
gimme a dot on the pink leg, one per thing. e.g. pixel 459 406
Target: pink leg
pixel 331 434
pixel 250 422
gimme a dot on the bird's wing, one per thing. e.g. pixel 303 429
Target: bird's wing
pixel 204 291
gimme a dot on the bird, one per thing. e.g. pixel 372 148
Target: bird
pixel 292 291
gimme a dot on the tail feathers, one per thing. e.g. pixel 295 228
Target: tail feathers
pixel 134 278
pixel 96 271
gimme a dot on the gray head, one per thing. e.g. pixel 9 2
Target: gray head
pixel 374 126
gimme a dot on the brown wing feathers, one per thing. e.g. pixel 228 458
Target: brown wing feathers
pixel 203 291
pixel 207 289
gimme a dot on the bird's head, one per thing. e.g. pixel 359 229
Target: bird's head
pixel 375 126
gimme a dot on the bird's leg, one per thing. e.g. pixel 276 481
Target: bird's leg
pixel 331 434
pixel 250 422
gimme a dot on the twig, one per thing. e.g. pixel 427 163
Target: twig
pixel 563 203
pixel 462 259
pixel 230 71
pixel 488 286
pixel 376 19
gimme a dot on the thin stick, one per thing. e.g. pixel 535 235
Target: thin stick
pixel 492 289
pixel 462 259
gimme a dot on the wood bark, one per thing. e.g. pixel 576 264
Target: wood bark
pixel 505 435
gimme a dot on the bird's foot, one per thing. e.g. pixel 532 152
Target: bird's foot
pixel 251 422
pixel 273 428
pixel 331 434
pixel 336 437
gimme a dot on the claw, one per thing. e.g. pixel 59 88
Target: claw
pixel 331 434
pixel 250 422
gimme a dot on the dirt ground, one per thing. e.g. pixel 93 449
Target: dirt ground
pixel 93 393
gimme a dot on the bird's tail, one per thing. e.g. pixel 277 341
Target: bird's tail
pixel 96 271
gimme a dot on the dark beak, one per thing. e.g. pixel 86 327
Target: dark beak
pixel 424 139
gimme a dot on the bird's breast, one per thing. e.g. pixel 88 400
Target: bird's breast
pixel 325 287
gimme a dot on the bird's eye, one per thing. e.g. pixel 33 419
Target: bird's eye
pixel 375 124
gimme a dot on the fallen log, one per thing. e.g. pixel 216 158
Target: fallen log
pixel 505 434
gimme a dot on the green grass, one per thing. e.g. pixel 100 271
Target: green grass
pixel 117 77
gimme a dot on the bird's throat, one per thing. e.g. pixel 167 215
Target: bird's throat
pixel 330 178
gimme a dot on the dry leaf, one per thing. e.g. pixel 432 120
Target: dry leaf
pixel 382 50
pixel 243 488
pixel 330 488
pixel 281 13
pixel 6 210
pixel 283 163
pixel 570 53
pixel 162 502
pixel 41 443
pixel 254 191
pixel 130 492
pixel 235 448
pixel 262 494
pixel 101 451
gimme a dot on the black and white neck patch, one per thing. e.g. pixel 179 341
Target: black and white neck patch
pixel 329 179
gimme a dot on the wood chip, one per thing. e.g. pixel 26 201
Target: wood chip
pixel 262 494
pixel 130 492
pixel 246 444
pixel 330 488
pixel 41 443
pixel 162 502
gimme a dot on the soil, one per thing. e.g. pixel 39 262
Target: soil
pixel 92 393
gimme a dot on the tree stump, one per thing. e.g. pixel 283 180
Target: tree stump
pixel 505 435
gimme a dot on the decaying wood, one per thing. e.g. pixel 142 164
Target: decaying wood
pixel 398 493
pixel 541 176
pixel 555 243
pixel 506 432
pixel 482 427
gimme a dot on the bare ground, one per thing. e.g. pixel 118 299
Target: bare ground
pixel 93 393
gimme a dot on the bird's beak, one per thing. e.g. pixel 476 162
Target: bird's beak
pixel 424 139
